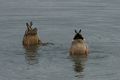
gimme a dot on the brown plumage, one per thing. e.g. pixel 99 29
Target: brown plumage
pixel 78 46
pixel 31 37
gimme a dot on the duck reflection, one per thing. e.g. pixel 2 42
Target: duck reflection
pixel 79 64
pixel 31 54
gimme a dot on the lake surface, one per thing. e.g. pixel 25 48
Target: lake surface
pixel 56 21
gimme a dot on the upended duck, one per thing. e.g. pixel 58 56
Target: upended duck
pixel 31 36
pixel 78 46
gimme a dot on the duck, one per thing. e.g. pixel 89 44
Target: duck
pixel 78 46
pixel 31 37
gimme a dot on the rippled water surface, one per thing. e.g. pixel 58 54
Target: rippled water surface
pixel 56 21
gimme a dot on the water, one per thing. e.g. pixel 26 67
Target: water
pixel 56 21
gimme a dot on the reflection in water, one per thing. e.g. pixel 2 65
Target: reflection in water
pixel 79 63
pixel 31 54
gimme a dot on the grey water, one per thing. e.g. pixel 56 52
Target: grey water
pixel 56 21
